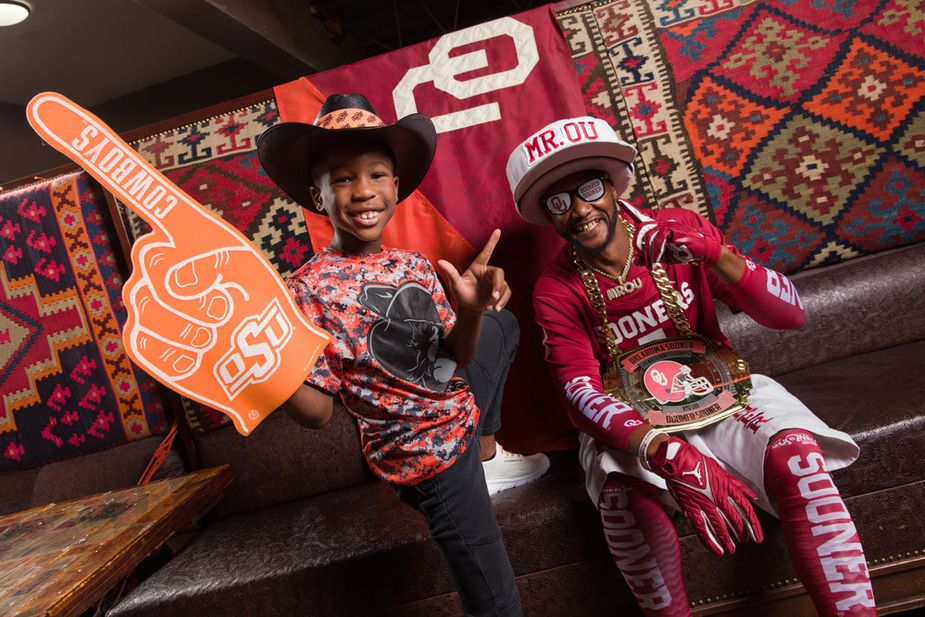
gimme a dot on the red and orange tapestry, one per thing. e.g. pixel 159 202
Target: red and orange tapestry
pixel 214 160
pixel 798 126
pixel 67 386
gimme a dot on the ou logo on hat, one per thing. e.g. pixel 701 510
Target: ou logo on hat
pixel 443 69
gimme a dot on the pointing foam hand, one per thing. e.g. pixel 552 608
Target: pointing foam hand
pixel 208 315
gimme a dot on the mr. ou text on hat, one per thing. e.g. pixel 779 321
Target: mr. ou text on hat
pixel 553 137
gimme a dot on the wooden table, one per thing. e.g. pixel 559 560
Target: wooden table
pixel 61 558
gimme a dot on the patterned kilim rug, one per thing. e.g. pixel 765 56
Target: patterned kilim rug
pixel 67 386
pixel 215 161
pixel 797 126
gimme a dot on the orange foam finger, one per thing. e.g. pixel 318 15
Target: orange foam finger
pixel 208 315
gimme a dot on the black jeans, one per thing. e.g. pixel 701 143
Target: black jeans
pixel 487 372
pixel 455 502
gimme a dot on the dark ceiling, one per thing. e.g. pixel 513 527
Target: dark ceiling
pixel 136 63
pixel 377 26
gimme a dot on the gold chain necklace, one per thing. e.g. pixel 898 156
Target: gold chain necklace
pixel 622 287
pixel 630 231
pixel 665 289
pixel 670 301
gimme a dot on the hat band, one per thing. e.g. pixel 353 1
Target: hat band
pixel 350 118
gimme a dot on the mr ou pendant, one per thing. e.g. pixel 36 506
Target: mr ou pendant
pixel 624 288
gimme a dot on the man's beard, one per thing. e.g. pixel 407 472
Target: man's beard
pixel 611 230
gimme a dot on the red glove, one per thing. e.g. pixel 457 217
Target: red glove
pixel 714 501
pixel 676 243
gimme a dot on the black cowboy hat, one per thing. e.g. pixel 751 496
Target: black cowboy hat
pixel 288 150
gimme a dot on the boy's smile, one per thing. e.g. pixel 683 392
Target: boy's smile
pixel 355 184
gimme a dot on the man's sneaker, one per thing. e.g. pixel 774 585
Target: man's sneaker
pixel 507 470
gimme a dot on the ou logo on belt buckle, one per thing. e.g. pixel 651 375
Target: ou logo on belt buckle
pixel 680 384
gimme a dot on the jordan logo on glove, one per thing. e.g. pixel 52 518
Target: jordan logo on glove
pixel 696 473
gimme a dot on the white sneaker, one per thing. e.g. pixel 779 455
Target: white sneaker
pixel 507 470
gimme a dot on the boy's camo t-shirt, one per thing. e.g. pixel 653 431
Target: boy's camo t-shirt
pixel 387 315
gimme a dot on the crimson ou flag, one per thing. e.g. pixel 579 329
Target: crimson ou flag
pixel 486 88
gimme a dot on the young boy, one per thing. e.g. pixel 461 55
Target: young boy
pixel 396 342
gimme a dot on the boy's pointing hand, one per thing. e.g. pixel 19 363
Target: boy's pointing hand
pixel 481 287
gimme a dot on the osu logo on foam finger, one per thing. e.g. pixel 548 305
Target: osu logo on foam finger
pixel 256 353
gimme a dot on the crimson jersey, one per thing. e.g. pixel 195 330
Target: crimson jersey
pixel 388 315
pixel 574 343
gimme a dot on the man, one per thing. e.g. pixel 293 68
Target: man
pixel 631 295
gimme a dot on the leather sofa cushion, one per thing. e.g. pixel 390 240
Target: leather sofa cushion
pixel 356 550
pixel 855 307
pixel 876 399
pixel 282 462
pixel 359 551
pixel 112 469
pixel 16 490
pixel 107 470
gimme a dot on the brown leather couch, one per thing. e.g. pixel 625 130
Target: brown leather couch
pixel 305 530
pixel 108 470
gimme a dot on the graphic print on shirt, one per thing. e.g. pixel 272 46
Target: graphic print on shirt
pixel 645 324
pixel 406 341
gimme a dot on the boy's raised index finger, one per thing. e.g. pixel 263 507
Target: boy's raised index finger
pixel 489 248
pixel 89 142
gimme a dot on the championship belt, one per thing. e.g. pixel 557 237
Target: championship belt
pixel 675 384
pixel 680 384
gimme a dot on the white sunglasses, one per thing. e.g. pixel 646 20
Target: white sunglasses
pixel 589 190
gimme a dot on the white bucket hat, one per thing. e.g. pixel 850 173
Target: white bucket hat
pixel 560 149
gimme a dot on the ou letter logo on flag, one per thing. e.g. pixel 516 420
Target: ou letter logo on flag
pixel 208 315
pixel 443 69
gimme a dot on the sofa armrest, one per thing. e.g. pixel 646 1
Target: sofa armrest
pixel 854 307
